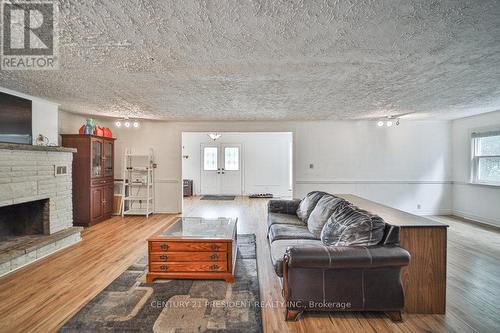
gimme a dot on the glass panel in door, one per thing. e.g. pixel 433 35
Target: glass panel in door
pixel 231 158
pixel 210 158
pixel 210 169
pixel 96 158
pixel 108 159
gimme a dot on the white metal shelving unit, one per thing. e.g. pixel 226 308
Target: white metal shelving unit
pixel 138 183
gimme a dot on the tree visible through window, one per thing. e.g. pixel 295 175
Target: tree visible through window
pixel 486 157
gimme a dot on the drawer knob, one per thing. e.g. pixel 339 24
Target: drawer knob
pixel 214 256
pixel 163 267
pixel 214 246
pixel 214 267
pixel 164 246
pixel 163 257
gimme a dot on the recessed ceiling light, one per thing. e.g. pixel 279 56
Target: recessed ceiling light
pixel 135 124
pixel 127 124
pixel 380 123
pixel 389 123
pixel 118 124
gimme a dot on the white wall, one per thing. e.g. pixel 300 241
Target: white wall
pixel 44 116
pixel 472 201
pixel 401 167
pixel 265 160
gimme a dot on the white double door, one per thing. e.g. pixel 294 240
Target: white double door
pixel 221 169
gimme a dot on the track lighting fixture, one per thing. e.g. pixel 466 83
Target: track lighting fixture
pixel 127 123
pixel 388 122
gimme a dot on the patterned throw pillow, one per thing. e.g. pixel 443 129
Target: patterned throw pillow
pixel 322 212
pixel 352 226
pixel 307 205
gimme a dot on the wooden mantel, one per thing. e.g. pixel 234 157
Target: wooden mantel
pixel 424 279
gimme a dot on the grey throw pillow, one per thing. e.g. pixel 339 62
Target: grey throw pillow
pixel 307 205
pixel 322 212
pixel 351 226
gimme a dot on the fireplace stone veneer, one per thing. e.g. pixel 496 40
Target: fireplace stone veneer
pixel 27 175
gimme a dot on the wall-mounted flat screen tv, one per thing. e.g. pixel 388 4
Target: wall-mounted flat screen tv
pixel 15 119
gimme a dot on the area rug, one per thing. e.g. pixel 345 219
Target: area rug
pixel 218 197
pixel 129 304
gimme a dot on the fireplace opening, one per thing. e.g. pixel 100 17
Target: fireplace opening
pixel 29 218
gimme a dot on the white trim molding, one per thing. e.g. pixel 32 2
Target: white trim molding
pixel 346 181
pixel 474 184
pixel 167 181
pixel 476 218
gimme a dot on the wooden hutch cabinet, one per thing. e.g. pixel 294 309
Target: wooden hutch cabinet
pixel 93 177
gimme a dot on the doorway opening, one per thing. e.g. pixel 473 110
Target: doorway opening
pixel 237 164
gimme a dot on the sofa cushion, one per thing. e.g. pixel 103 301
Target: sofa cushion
pixel 307 205
pixel 322 212
pixel 352 226
pixel 278 250
pixel 289 231
pixel 278 218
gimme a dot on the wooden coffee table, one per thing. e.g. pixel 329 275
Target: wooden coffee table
pixel 194 248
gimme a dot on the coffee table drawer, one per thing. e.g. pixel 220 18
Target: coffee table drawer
pixel 188 267
pixel 188 246
pixel 188 256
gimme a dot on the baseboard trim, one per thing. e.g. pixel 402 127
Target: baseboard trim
pixel 477 218
pixel 165 211
pixel 440 211
pixel 377 182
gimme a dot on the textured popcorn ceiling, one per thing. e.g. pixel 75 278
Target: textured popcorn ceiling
pixel 273 60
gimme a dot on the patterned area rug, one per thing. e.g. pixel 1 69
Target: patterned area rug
pixel 218 197
pixel 129 304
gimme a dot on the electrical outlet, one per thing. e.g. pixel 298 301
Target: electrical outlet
pixel 311 166
pixel 419 206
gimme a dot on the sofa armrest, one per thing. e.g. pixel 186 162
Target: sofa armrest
pixel 339 257
pixel 283 206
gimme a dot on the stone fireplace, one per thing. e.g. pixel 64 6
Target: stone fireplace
pixel 36 210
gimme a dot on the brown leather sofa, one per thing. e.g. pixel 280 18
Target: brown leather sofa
pixel 316 277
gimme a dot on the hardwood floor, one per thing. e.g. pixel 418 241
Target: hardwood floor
pixel 42 296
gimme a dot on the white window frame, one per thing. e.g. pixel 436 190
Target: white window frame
pixel 475 159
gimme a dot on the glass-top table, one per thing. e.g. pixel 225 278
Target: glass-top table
pixel 194 248
pixel 201 228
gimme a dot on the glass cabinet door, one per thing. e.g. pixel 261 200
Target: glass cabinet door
pixel 108 158
pixel 96 158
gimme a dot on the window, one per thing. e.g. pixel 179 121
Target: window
pixel 486 157
pixel 232 158
pixel 210 158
